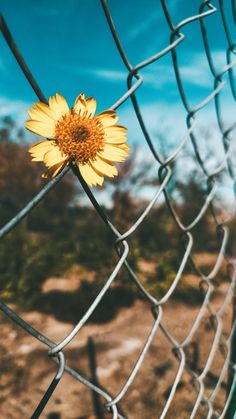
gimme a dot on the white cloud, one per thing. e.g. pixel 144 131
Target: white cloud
pixel 166 121
pixel 17 109
pixel 198 72
pixel 195 72
pixel 110 74
pixel 199 75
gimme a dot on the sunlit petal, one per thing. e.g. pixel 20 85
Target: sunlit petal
pixel 90 175
pixel 115 140
pixel 104 167
pixel 125 147
pixel 91 105
pixel 54 156
pixel 58 106
pixel 107 118
pixel 41 128
pixel 38 150
pixel 80 104
pixel 115 130
pixel 42 114
pixel 54 170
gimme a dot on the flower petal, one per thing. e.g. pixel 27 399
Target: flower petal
pixel 104 167
pixel 124 146
pixel 115 140
pixel 41 128
pixel 38 150
pixel 80 104
pixel 91 105
pixel 113 153
pixel 115 130
pixel 90 176
pixel 58 106
pixel 109 157
pixel 45 109
pixel 41 114
pixel 107 118
pixel 54 170
pixel 54 156
pixel 115 134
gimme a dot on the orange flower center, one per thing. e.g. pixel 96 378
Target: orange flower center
pixel 79 137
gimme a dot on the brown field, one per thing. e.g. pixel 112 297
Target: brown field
pixel 26 369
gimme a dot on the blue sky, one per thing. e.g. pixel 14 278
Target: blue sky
pixel 69 49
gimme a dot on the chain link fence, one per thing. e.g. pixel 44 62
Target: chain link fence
pixel 220 79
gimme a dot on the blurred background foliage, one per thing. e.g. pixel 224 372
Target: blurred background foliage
pixel 62 233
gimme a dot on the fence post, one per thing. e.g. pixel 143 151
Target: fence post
pixel 98 409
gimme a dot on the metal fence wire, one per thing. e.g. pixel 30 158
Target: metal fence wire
pixel 220 79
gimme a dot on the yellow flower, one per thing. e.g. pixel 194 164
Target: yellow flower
pixel 94 143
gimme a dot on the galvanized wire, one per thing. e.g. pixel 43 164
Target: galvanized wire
pixel 165 172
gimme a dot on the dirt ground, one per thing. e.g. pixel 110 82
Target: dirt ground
pixel 26 370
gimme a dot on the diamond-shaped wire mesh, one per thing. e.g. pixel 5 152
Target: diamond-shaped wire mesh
pixel 215 316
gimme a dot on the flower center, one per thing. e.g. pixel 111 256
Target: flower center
pixel 79 137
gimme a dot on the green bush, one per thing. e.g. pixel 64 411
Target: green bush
pixel 26 261
pixel 167 267
pixel 24 264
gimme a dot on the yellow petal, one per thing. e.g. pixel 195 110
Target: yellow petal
pixel 104 167
pixel 90 176
pixel 107 118
pixel 45 109
pixel 124 146
pixel 109 157
pixel 115 135
pixel 42 144
pixel 54 170
pixel 113 153
pixel 42 115
pixel 115 140
pixel 38 150
pixel 80 104
pixel 62 103
pixel 91 105
pixel 58 106
pixel 115 130
pixel 41 128
pixel 54 156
